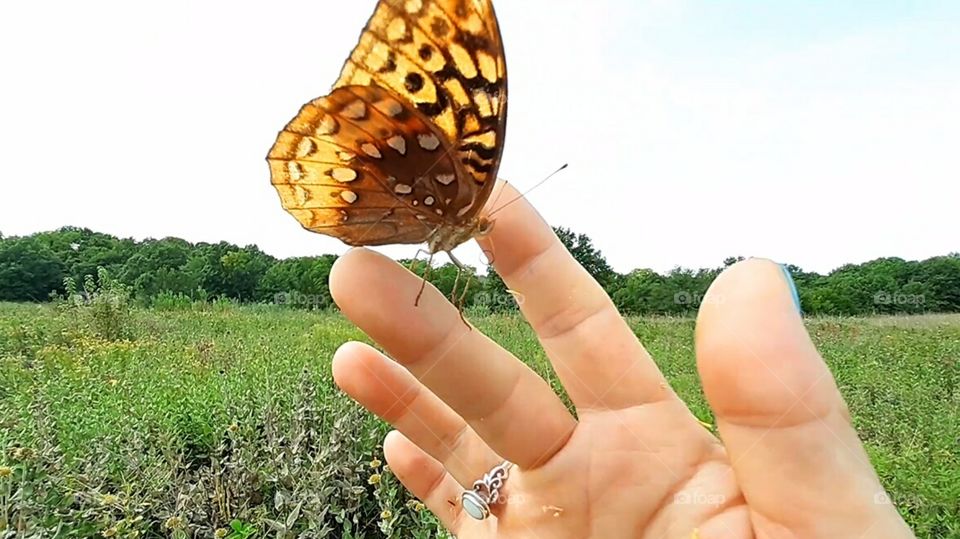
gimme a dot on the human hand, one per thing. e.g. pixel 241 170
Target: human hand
pixel 635 462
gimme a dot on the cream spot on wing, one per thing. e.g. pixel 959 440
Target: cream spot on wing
pixel 390 107
pixel 398 143
pixel 428 141
pixel 473 23
pixel 343 216
pixel 428 201
pixel 355 110
pixel 303 196
pixel 413 6
pixel 346 156
pixel 375 60
pixel 439 211
pixel 305 147
pixel 327 126
pixel 446 179
pixel 348 196
pixel 495 101
pixel 296 173
pixel 371 150
pixel 397 30
pixel 344 175
pixel 402 189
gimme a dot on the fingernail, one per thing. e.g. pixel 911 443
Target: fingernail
pixel 793 287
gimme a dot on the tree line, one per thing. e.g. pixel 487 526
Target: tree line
pixel 41 267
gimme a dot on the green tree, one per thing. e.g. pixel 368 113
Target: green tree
pixel 641 292
pixel 225 270
pixel 583 250
pixel 299 282
pixel 242 271
pixel 29 270
pixel 84 251
pixel 494 294
pixel 941 275
pixel 33 266
pixel 159 266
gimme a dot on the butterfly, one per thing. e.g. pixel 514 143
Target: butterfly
pixel 405 149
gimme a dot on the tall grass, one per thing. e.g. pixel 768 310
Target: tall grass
pixel 200 420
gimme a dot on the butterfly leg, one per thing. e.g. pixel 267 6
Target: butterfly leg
pixel 456 286
pixel 463 296
pixel 423 283
pixel 459 302
pixel 412 267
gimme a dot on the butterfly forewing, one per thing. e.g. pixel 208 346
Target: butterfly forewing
pixel 408 144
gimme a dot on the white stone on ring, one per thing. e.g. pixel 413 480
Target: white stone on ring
pixel 475 505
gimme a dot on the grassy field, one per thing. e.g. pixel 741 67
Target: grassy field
pixel 223 421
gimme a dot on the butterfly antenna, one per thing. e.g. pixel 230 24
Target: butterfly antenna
pixel 527 192
pixel 499 194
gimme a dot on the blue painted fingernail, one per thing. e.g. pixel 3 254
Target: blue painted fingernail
pixel 793 287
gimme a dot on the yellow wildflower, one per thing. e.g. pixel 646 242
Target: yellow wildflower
pixel 6 471
pixel 386 514
pixel 110 532
pixel 174 523
pixel 220 533
pixel 109 499
pixel 374 479
pixel 375 463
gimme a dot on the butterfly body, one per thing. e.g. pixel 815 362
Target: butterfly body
pixel 445 239
pixel 406 147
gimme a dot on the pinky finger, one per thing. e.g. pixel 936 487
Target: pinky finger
pixel 425 478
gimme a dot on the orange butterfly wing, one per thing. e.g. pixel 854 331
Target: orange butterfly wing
pixel 407 146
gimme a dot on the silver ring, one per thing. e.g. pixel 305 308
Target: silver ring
pixel 485 492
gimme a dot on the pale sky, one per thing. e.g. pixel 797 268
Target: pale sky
pixel 815 132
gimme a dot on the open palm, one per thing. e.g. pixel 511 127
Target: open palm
pixel 634 462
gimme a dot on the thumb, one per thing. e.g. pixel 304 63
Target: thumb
pixel 779 412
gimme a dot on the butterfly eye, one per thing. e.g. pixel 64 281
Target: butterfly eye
pixel 485 227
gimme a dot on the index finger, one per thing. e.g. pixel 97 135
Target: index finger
pixel 596 355
pixel 512 409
